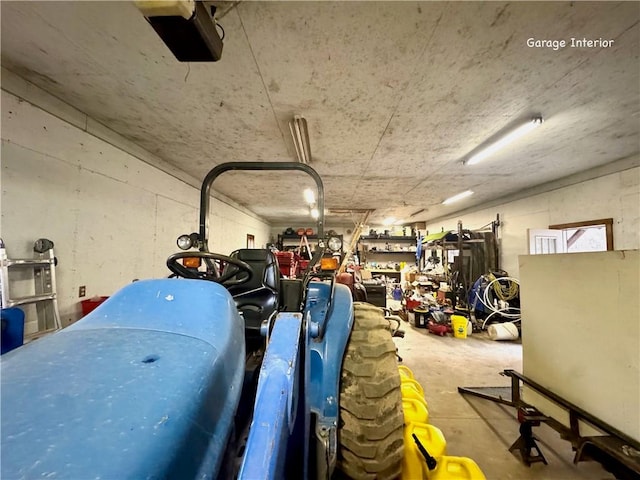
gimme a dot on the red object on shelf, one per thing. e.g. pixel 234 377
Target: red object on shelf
pixel 91 304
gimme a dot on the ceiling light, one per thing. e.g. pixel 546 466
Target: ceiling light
pixel 309 196
pixel 388 221
pixel 457 197
pixel 315 213
pixel 509 137
pixel 300 135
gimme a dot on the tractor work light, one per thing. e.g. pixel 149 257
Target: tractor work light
pixel 334 244
pixel 185 242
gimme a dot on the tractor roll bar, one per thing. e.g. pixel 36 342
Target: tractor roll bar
pixel 214 173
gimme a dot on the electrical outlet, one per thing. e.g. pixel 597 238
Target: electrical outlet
pixel 82 291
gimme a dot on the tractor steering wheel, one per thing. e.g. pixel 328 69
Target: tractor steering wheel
pixel 215 272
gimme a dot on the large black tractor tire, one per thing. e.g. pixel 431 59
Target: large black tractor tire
pixel 370 433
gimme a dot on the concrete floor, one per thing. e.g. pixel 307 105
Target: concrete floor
pixel 477 428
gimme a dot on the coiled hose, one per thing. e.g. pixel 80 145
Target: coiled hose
pixel 504 293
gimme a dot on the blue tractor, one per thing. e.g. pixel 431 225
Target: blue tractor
pixel 227 371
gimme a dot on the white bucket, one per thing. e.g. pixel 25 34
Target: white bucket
pixel 503 331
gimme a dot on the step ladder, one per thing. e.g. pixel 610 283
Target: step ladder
pixel 357 233
pixel 304 247
pixel 42 266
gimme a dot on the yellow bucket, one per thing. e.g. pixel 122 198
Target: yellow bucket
pixel 415 411
pixel 459 325
pixel 456 468
pixel 414 465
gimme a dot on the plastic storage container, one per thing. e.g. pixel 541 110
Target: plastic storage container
pixel 414 465
pixel 91 304
pixel 414 383
pixel 415 411
pixel 459 325
pixel 405 372
pixel 456 468
pixel 503 331
pixel 410 391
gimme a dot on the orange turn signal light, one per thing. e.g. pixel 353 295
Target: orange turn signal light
pixel 329 263
pixel 191 262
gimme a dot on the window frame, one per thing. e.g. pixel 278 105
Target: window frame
pixel 607 222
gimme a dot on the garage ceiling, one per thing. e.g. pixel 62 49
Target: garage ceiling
pixel 396 94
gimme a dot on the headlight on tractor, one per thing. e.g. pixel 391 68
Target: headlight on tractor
pixel 334 244
pixel 185 242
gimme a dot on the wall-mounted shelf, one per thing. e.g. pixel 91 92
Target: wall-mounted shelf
pixel 386 252
pixel 370 251
pixel 476 253
pixel 389 238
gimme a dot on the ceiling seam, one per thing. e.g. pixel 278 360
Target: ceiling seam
pixel 400 97
pixel 264 85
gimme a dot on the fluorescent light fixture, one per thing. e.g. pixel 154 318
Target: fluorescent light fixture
pixel 514 134
pixel 300 135
pixel 457 197
pixel 388 221
pixel 315 213
pixel 309 196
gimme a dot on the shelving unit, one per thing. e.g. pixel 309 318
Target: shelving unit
pixel 477 253
pixel 44 297
pixel 378 252
pixel 386 249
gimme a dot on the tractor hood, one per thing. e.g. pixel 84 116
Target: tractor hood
pixel 145 386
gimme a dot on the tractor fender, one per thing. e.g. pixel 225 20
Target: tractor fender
pixel 324 361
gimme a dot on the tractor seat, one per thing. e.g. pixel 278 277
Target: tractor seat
pixel 257 299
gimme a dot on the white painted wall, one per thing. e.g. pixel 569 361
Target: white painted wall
pixel 581 334
pixel 616 195
pixel 113 218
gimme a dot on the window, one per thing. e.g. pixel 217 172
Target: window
pixel 589 236
pixel 251 241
